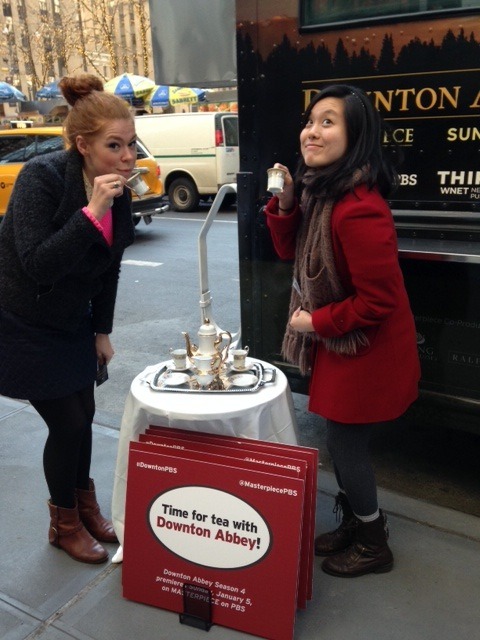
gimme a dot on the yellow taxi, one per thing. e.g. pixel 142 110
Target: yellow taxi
pixel 22 142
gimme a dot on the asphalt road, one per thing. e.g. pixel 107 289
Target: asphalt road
pixel 158 298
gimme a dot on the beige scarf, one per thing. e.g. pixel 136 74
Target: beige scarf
pixel 316 274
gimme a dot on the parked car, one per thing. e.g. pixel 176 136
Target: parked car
pixel 17 145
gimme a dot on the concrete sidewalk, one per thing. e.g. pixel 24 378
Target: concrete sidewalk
pixel 433 593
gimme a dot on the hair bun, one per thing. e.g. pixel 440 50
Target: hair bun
pixel 76 87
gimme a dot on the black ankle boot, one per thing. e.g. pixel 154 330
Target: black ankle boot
pixel 328 544
pixel 369 553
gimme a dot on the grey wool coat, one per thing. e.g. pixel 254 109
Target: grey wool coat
pixel 55 264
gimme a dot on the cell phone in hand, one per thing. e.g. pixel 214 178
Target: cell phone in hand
pixel 102 374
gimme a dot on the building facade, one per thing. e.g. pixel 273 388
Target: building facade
pixel 43 40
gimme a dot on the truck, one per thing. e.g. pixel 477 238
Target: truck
pixel 418 62
pixel 198 153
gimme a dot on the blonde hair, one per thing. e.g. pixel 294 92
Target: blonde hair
pixel 91 106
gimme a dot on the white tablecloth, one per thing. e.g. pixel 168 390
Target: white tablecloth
pixel 266 414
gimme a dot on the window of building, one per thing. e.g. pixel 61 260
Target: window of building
pixel 7 9
pixel 21 10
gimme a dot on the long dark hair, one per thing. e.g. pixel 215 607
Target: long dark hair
pixel 364 149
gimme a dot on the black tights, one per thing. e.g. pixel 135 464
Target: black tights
pixel 348 444
pixel 68 449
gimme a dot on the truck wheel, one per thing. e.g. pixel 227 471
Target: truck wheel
pixel 183 195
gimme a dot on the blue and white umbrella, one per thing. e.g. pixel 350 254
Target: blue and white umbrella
pixel 9 93
pixel 158 97
pixel 50 91
pixel 129 86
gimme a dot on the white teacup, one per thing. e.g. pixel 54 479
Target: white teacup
pixel 239 358
pixel 179 358
pixel 137 184
pixel 276 179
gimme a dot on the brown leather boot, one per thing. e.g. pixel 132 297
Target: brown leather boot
pixel 89 510
pixel 327 544
pixel 68 533
pixel 369 553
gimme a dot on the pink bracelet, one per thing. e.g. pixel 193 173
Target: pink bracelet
pixel 92 218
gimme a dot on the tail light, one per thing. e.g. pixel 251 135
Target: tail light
pixel 157 186
pixel 219 138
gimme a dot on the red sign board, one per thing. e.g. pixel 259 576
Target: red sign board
pixel 216 522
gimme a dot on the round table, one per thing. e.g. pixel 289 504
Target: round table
pixel 266 414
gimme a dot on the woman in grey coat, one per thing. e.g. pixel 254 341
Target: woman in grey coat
pixel 61 243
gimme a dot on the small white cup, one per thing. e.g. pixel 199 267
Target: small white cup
pixel 179 358
pixel 137 184
pixel 239 358
pixel 276 179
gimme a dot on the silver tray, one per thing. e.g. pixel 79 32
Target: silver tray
pixel 159 381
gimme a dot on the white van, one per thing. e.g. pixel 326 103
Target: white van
pixel 197 153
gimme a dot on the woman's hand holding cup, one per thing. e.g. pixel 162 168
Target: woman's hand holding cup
pixel 105 189
pixel 285 194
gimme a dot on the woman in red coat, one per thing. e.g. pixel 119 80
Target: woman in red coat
pixel 350 324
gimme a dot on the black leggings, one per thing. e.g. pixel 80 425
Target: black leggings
pixel 68 449
pixel 348 444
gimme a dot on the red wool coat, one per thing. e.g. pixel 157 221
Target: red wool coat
pixel 381 381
